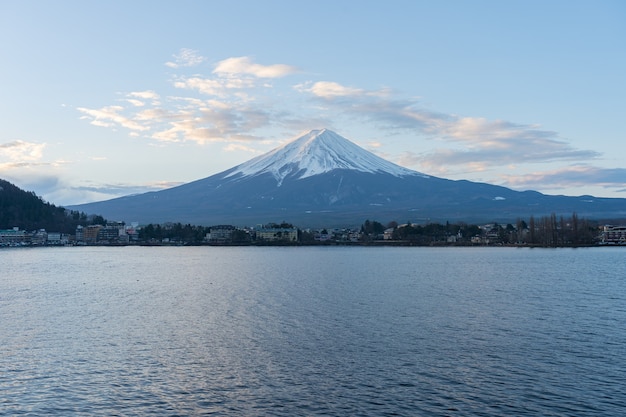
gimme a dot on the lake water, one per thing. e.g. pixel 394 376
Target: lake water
pixel 285 331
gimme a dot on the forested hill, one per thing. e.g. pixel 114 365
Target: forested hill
pixel 27 211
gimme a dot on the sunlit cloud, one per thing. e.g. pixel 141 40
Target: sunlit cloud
pixel 234 104
pixel 153 114
pixel 23 164
pixel 186 58
pixel 146 95
pixel 245 66
pixel 330 90
pixel 327 89
pixel 135 102
pixel 498 152
pixel 140 98
pixel 234 107
pixel 466 144
pixel 20 151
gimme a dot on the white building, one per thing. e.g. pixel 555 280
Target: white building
pixel 614 235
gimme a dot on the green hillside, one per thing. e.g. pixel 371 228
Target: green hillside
pixel 27 211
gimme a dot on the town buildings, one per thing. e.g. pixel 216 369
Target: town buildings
pixel 613 235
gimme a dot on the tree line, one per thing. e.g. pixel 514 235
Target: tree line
pixel 549 231
pixel 27 211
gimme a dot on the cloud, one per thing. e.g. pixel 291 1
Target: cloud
pixel 60 192
pixel 569 177
pixel 244 66
pixel 20 151
pixel 328 89
pixel 466 143
pixel 121 189
pixel 147 95
pixel 499 151
pixel 110 116
pixel 135 102
pixel 214 125
pixel 237 105
pixel 234 104
pixel 186 58
pixel 42 182
pixel 22 163
pixel 215 87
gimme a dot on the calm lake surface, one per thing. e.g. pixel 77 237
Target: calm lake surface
pixel 284 331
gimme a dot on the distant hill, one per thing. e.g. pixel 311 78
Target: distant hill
pixel 27 211
pixel 323 179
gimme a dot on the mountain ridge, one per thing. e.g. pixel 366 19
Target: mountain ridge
pixel 317 152
pixel 323 179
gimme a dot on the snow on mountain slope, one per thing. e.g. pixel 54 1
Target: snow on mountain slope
pixel 317 152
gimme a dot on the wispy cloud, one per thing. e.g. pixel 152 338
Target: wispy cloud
pixel 146 95
pixel 110 116
pixel 213 87
pixel 231 110
pixel 120 189
pixel 186 58
pixel 570 177
pixel 57 190
pixel 470 142
pixel 330 90
pixel 235 104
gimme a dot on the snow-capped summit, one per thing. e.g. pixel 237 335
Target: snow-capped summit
pixel 318 152
pixel 324 180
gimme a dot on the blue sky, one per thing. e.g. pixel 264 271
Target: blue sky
pixel 103 99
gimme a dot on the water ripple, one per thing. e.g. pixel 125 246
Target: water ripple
pixel 312 331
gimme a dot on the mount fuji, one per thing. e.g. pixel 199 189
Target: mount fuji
pixel 324 180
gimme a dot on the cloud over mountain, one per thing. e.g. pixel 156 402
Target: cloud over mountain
pixel 239 102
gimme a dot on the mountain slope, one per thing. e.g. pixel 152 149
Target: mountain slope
pixel 317 152
pixel 27 211
pixel 322 179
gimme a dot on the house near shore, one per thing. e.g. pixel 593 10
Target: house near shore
pixel 277 234
pixel 613 235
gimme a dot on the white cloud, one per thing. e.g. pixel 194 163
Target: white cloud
pixel 244 65
pixel 20 151
pixel 468 144
pixel 186 58
pixel 235 104
pixel 329 89
pixel 152 115
pixel 110 116
pixel 215 87
pixel 135 102
pixel 146 95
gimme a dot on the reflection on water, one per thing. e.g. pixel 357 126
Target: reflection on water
pixel 312 331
